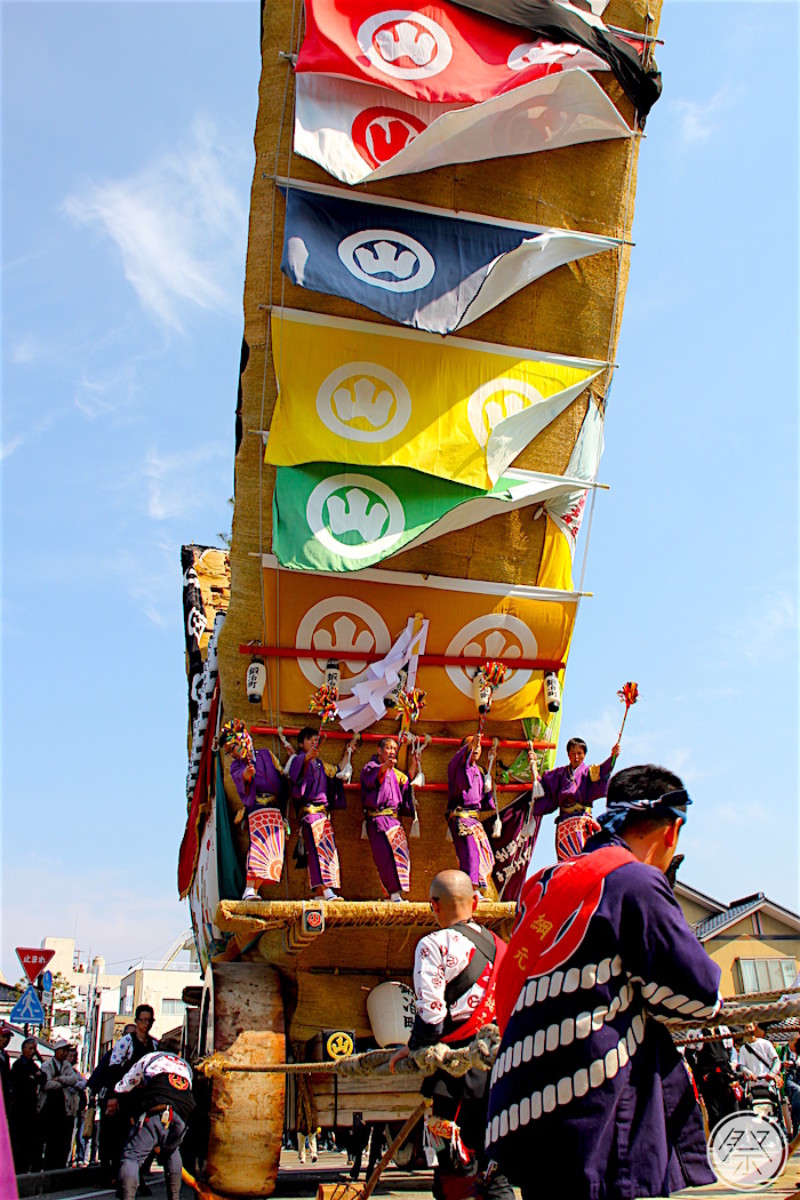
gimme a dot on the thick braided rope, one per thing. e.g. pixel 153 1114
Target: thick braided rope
pixel 480 1053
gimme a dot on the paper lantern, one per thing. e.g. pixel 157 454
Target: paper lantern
pixel 256 681
pixel 391 1010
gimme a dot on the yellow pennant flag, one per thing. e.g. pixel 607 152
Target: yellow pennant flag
pixel 468 620
pixel 374 395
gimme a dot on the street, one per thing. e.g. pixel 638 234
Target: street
pixel 297 1180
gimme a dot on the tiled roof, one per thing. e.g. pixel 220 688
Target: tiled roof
pixel 735 912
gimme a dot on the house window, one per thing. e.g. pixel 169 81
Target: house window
pixel 127 1000
pixel 174 1007
pixel 765 974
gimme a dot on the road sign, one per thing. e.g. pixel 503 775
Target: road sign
pixel 33 959
pixel 28 1009
pixel 47 981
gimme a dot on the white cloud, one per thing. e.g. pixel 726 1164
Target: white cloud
pixel 8 448
pixel 24 350
pixel 178 483
pixel 178 225
pixel 768 632
pixel 152 580
pixel 699 120
pixel 106 392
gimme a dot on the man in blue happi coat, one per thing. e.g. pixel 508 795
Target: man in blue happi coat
pixel 589 1096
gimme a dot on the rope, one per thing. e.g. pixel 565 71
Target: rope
pixel 295 32
pixel 479 1054
pixel 613 327
pixel 734 1013
pixel 277 914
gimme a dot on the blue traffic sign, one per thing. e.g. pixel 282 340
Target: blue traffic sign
pixel 28 1009
pixel 47 981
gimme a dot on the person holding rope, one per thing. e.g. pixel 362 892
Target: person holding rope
pixel 571 791
pixel 258 778
pixel 469 791
pixel 163 1081
pixel 455 969
pixel 387 795
pixel 588 1084
pixel 317 787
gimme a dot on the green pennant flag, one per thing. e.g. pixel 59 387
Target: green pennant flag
pixel 328 517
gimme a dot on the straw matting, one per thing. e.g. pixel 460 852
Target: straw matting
pixel 575 310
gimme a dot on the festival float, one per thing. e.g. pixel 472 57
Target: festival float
pixel 440 232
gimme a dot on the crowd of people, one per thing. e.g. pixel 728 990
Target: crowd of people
pixel 138 1100
pixel 731 1070
pixel 46 1103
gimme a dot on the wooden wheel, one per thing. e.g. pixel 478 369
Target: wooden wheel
pixel 246 1119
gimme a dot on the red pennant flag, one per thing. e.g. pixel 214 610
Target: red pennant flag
pixel 34 960
pixel 436 52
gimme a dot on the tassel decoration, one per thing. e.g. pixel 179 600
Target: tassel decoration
pixel 410 704
pixel 323 703
pixel 235 738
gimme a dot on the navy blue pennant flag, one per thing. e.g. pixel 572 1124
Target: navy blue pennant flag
pixel 418 266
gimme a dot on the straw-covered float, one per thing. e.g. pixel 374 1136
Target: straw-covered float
pixel 439 242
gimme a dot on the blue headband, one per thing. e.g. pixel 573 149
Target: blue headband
pixel 618 812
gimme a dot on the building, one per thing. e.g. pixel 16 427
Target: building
pixel 91 1006
pixel 755 941
pixel 162 989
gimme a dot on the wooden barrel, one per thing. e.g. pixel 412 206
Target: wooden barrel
pixel 246 1109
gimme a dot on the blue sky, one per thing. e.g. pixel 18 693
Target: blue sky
pixel 127 157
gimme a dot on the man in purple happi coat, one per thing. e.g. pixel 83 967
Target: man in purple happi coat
pixel 387 795
pixel 572 790
pixel 261 788
pixel 469 792
pixel 316 788
pixel 589 1097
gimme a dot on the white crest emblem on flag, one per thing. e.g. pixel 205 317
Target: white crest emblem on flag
pixel 366 393
pixel 372 254
pixel 316 629
pixel 495 635
pixel 379 526
pixel 405 44
pixel 493 402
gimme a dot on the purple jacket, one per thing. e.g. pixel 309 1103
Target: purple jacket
pixel 563 790
pixel 465 783
pixel 315 782
pixel 394 791
pixel 588 1093
pixel 267 781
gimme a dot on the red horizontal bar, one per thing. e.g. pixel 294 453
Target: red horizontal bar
pixel 342 735
pixel 443 787
pixel 424 660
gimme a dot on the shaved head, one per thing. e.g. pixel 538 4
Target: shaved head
pixel 453 886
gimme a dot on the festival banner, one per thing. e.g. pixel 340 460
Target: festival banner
pixel 367 612
pixel 566 509
pixel 560 21
pixel 419 266
pixel 327 518
pixel 514 848
pixel 359 133
pixel 435 52
pixel 361 394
